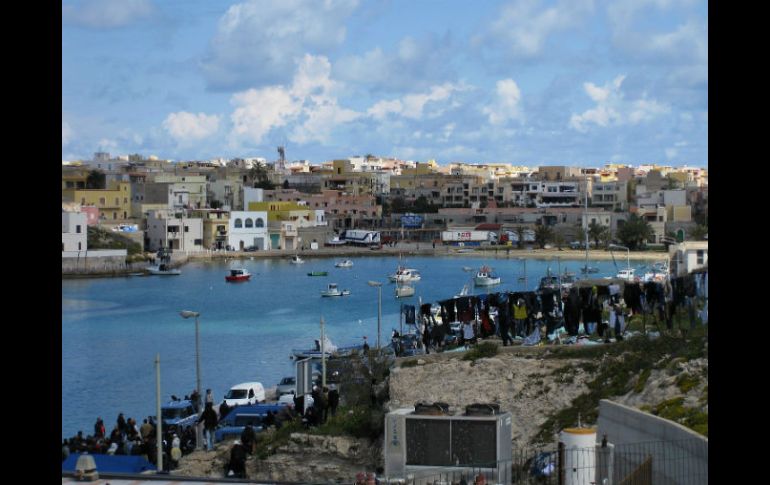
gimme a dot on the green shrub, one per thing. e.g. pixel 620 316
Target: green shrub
pixel 685 382
pixel 482 350
pixel 639 387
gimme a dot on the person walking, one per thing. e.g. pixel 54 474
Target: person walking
pixel 209 397
pixel 519 317
pixel 210 420
pixel 334 400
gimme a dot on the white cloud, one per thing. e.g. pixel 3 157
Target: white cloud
pixel 309 104
pixel 259 42
pixel 66 134
pixel 505 106
pixel 188 127
pixel 612 109
pixel 107 14
pixel 413 106
pixel 671 154
pixel 523 26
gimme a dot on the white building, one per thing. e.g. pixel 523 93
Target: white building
pixel 688 256
pixel 73 231
pixel 173 229
pixel 248 228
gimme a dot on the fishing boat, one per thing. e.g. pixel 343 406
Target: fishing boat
pixel 296 260
pixel 405 275
pixel 333 290
pixel 344 264
pixel 318 273
pixel 238 274
pixel 329 350
pixel 404 290
pixel 626 274
pixel 163 269
pixel 485 277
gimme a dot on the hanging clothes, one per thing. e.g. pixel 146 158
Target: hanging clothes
pixel 447 310
pixel 572 311
pixel 466 308
pixel 632 297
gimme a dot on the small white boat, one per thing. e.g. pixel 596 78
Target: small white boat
pixel 464 292
pixel 163 269
pixel 626 274
pixel 296 260
pixel 344 264
pixel 403 291
pixel 405 275
pixel 333 290
pixel 485 277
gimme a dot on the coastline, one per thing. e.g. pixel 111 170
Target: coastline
pixel 404 248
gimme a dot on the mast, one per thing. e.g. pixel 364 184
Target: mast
pixel 585 216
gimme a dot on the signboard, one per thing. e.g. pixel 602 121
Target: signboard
pixel 412 221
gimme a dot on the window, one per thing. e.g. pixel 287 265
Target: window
pixel 198 242
pixel 186 228
pixel 102 201
pixel 82 201
pixel 700 256
pixel 259 222
pixel 117 200
pixel 238 223
pixel 77 229
pixel 79 246
pixel 249 222
pixel 251 393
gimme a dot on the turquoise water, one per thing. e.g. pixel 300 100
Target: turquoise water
pixel 113 327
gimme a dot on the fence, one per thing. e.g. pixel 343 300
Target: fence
pixel 648 463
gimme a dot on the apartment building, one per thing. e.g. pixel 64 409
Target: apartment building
pixel 74 231
pixel 174 230
pixel 113 203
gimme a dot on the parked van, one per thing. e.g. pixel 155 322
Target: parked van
pixel 245 393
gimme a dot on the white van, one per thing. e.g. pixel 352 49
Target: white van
pixel 245 393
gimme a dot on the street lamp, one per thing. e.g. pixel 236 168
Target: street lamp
pixel 189 314
pixel 379 307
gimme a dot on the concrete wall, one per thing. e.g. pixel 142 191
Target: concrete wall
pixel 93 262
pixel 678 451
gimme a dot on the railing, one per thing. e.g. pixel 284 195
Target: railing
pixel 680 462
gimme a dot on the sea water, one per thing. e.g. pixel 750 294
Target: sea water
pixel 112 328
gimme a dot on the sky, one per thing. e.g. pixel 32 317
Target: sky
pixel 528 82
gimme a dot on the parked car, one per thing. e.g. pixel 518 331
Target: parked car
pixel 178 415
pixel 245 393
pixel 232 425
pixel 288 385
pixel 250 249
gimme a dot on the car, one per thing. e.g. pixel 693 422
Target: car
pixel 232 425
pixel 250 249
pixel 288 385
pixel 178 415
pixel 245 393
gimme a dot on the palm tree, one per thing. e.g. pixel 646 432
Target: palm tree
pixel 597 232
pixel 543 234
pixel 635 232
pixel 520 233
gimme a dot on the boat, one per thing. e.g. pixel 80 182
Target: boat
pixel 344 264
pixel 464 292
pixel 296 260
pixel 658 273
pixel 330 350
pixel 318 273
pixel 403 291
pixel 333 290
pixel 238 274
pixel 485 277
pixel 405 275
pixel 626 274
pixel 163 269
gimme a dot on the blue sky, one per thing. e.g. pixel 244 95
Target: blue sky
pixel 533 82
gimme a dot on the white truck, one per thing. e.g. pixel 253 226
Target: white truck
pixel 468 238
pixel 362 236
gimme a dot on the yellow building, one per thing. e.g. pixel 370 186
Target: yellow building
pixel 74 177
pixel 113 203
pixel 283 211
pixel 215 224
pixel 342 177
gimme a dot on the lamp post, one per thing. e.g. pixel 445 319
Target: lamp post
pixel 188 314
pixel 379 307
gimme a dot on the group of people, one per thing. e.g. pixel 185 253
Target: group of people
pixel 325 403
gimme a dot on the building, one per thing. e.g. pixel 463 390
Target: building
pixel 74 231
pixel 248 229
pixel 113 203
pixel 173 230
pixel 688 256
pixel 215 227
pixel 610 195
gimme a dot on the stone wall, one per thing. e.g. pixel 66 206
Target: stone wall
pixel 94 262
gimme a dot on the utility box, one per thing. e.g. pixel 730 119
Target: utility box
pixel 425 444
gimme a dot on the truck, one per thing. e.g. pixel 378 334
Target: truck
pixel 468 238
pixel 361 236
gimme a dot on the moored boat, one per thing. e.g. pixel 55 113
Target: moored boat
pixel 163 270
pixel 238 274
pixel 333 290
pixel 296 260
pixel 485 277
pixel 403 291
pixel 344 264
pixel 318 273
pixel 405 275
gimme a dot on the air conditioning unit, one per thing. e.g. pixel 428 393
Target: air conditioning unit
pixel 423 444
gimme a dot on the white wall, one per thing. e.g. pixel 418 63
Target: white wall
pixel 243 237
pixel 251 194
pixel 71 239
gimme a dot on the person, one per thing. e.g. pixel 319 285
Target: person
pixel 324 395
pixel 210 420
pixel 249 439
pixel 209 397
pixel 366 346
pixel 269 419
pixel 65 450
pixel 99 430
pixel 145 430
pixel 237 464
pixel 334 400
pixel 122 425
pixel 223 409
pixel 468 335
pixel 176 451
pixel 195 398
pixel 519 317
